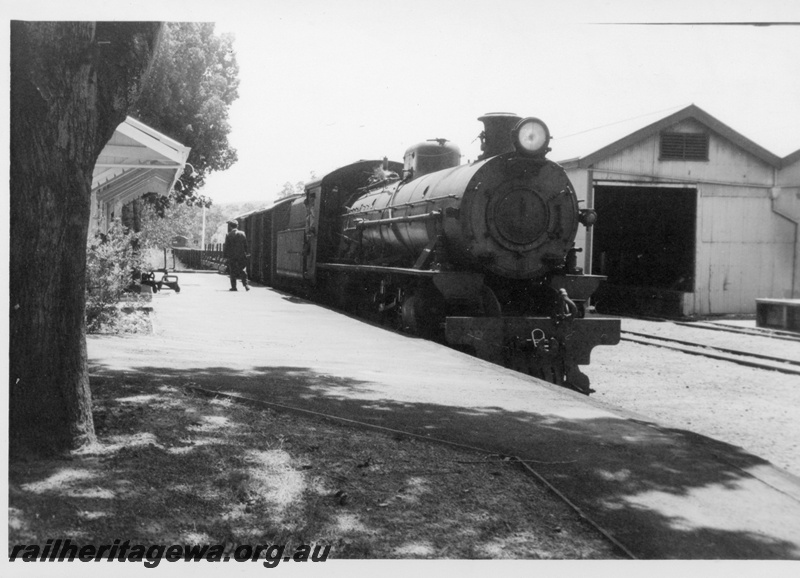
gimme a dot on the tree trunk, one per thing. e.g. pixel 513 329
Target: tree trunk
pixel 71 86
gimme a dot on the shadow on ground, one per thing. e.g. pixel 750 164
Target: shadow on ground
pixel 658 491
pixel 174 467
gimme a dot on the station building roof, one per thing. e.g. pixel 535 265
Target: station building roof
pixel 137 160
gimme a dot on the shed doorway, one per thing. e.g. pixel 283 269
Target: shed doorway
pixel 644 242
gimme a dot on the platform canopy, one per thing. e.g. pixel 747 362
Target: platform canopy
pixel 136 160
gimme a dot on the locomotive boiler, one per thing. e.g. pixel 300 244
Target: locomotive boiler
pixel 479 255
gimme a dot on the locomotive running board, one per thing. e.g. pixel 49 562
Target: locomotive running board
pixel 377 269
pixel 501 339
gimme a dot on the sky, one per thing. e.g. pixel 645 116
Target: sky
pixel 326 83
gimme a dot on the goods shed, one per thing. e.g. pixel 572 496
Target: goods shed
pixel 693 217
pixel 786 202
pixel 136 160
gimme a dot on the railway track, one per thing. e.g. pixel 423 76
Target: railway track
pixel 759 331
pixel 746 358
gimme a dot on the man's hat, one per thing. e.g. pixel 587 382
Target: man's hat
pixel 234 224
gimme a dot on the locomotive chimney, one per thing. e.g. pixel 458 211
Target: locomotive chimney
pixel 496 136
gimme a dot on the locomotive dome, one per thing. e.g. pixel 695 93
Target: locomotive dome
pixel 430 156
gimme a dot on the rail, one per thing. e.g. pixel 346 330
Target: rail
pixel 745 358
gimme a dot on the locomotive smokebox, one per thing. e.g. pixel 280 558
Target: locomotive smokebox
pixel 496 137
pixel 430 156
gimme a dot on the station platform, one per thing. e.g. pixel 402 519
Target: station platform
pixel 662 493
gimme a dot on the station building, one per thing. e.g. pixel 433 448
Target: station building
pixel 693 217
pixel 137 160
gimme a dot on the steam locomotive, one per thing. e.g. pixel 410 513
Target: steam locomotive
pixel 480 256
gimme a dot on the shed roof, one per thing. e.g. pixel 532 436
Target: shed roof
pixel 790 158
pixel 137 160
pixel 586 148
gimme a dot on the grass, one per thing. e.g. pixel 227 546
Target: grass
pixel 171 466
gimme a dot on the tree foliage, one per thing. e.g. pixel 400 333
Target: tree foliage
pixel 193 82
pixel 297 189
pixel 287 191
pixel 216 216
pixel 112 260
pixel 158 223
pixel 157 230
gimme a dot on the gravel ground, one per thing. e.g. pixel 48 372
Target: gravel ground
pixel 759 344
pixel 755 409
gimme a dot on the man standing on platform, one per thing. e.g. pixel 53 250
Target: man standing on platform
pixel 236 252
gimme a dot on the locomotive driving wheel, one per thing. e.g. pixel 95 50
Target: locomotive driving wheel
pixel 423 312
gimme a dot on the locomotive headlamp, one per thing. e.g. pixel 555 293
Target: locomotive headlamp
pixel 531 137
